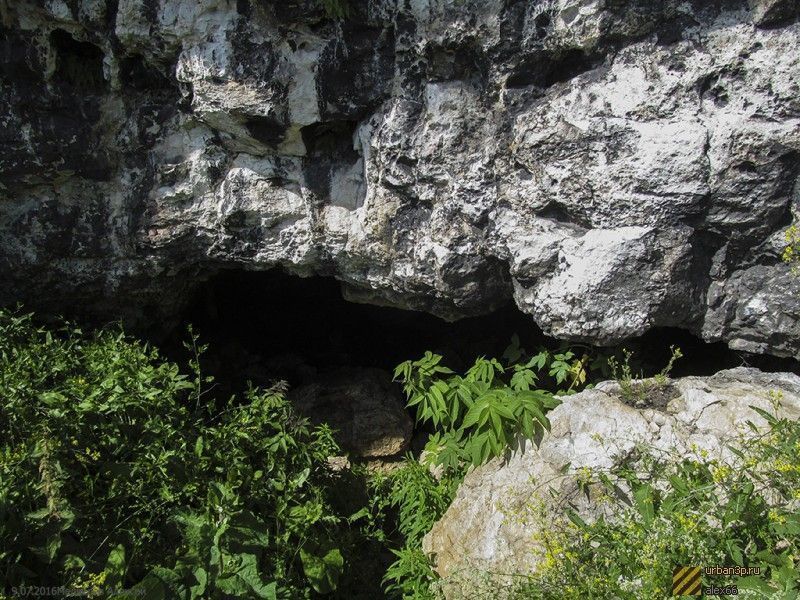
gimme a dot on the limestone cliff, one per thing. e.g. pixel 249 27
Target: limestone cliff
pixel 612 165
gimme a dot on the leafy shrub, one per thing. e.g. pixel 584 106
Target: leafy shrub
pixel 117 469
pixel 419 500
pixel 672 511
pixel 475 417
pixel 481 414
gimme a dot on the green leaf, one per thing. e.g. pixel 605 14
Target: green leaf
pixel 199 590
pixel 37 515
pixel 322 570
pixel 234 585
pixel 473 414
pixel 540 360
pixel 437 400
pixel 198 446
pixel 523 380
pixel 115 565
pixel 575 518
pixel 735 552
pixel 644 497
pixel 756 584
pixel 769 418
pixel 249 573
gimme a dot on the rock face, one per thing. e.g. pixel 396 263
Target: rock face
pixel 363 406
pixel 482 530
pixel 612 166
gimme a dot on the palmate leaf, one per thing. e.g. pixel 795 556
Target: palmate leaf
pixel 485 370
pixel 523 379
pixel 445 449
pixel 436 407
pixel 560 370
pixel 477 448
pixel 426 365
pixel 480 414
pixel 453 401
pixel 415 399
pixel 497 426
pixel 473 415
pixel 403 371
pixel 539 361
pixel 493 423
pixel 533 403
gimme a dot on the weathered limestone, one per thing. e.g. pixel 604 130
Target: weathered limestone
pixel 612 166
pixel 485 529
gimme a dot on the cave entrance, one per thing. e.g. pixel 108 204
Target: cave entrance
pixel 267 326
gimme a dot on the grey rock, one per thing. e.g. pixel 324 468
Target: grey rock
pixel 768 12
pixel 491 527
pixel 611 166
pixel 363 407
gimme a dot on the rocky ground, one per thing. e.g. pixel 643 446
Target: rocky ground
pixel 492 525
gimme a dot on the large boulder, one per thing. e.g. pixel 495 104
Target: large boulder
pixel 485 529
pixel 611 166
pixel 364 408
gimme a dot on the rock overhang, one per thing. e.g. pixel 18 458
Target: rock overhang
pixel 609 177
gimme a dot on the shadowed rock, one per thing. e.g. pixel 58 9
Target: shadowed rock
pixel 364 408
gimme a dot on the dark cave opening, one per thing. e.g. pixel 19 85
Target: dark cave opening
pixel 267 130
pixel 78 64
pixel 137 74
pixel 269 326
pixel 329 139
pixel 545 71
pixel 272 325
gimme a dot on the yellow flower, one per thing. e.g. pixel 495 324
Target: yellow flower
pixel 776 517
pixel 584 475
pixel 721 473
pixel 91 582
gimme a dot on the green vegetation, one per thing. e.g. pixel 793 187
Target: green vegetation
pixel 475 417
pixel 791 253
pixel 120 473
pixel 635 388
pixel 418 499
pixel 118 470
pixel 337 9
pixel 672 511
